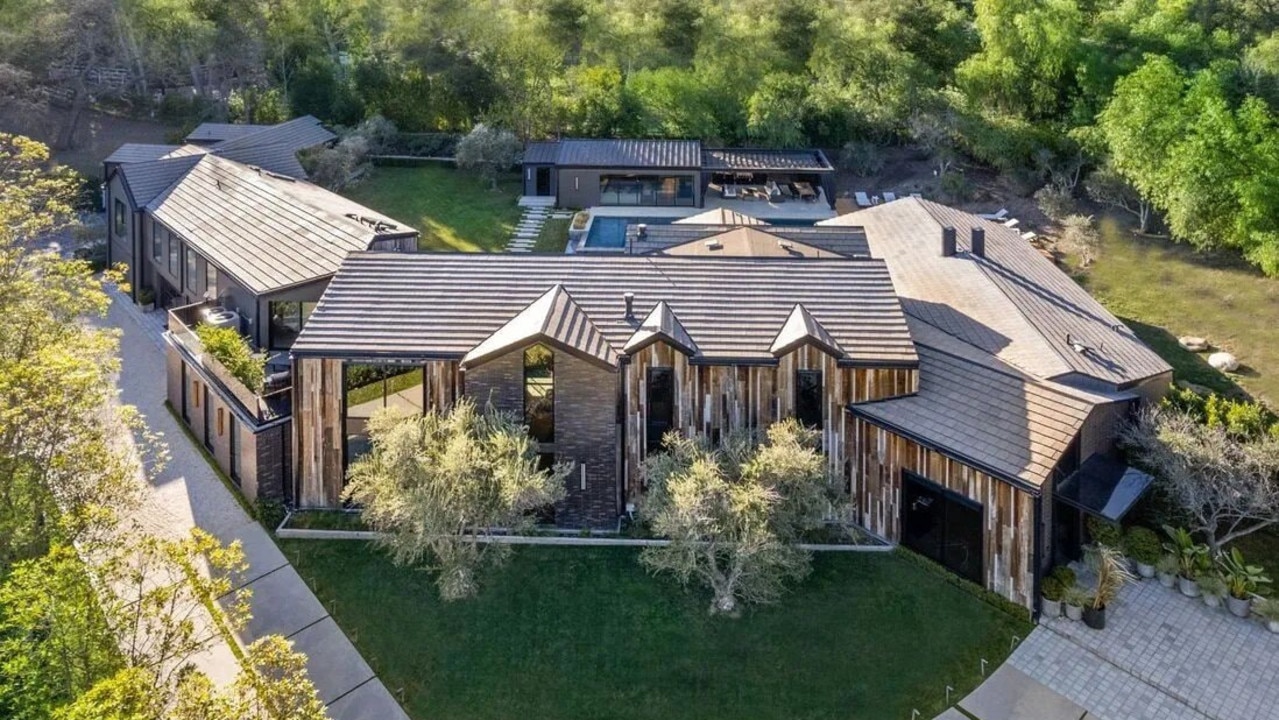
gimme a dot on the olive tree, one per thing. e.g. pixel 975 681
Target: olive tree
pixel 488 150
pixel 437 486
pixel 1226 484
pixel 733 513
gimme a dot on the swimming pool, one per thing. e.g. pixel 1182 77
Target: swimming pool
pixel 609 233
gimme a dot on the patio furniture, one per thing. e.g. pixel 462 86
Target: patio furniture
pixel 889 196
pixel 1011 223
pixel 729 191
pixel 997 216
pixel 805 191
pixel 774 192
pixel 1029 235
pixel 862 199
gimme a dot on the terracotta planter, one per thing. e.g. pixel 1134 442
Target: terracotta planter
pixel 1238 607
pixel 1167 580
pixel 1050 609
pixel 1074 612
pixel 1188 587
pixel 1145 571
pixel 1095 618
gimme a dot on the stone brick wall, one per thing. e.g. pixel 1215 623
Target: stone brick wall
pixel 586 432
pixel 273 460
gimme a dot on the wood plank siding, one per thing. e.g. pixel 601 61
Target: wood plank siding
pixel 320 438
pixel 714 399
pixel 1008 513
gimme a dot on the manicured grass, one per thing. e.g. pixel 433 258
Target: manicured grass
pixel 1163 290
pixel 585 632
pixel 453 209
pixel 553 238
pixel 325 520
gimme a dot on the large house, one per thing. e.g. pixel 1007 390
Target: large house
pixel 967 391
pixel 581 173
pixel 226 230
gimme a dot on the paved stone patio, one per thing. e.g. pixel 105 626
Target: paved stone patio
pixel 1162 656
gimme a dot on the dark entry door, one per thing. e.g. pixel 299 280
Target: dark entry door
pixel 942 526
pixel 543 181
pixel 1068 530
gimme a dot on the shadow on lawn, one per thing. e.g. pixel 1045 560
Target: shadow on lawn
pixel 1187 366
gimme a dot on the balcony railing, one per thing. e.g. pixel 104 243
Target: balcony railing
pixel 264 407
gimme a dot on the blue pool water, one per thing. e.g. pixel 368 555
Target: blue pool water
pixel 610 232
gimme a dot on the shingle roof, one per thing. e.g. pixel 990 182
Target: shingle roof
pixel 747 242
pixel 720 216
pixel 265 231
pixel 844 241
pixel 145 180
pixel 444 304
pixel 630 153
pixel 553 317
pixel 217 132
pixel 541 152
pixel 139 152
pixel 762 159
pixel 802 328
pixel 275 148
pixel 995 419
pixel 661 324
pixel 1014 303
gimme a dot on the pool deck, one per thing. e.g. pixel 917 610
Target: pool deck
pixel 792 210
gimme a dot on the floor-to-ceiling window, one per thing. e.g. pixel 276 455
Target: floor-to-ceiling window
pixel 287 320
pixel 808 397
pixel 942 526
pixel 647 190
pixel 660 396
pixel 539 393
pixel 369 388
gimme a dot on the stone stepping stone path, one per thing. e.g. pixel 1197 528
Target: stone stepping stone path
pixel 529 227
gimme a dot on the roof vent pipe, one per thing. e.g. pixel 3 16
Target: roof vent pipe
pixel 979 242
pixel 948 242
pixel 642 231
pixel 630 305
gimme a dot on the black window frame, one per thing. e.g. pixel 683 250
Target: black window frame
pixel 210 279
pixel 191 277
pixel 810 416
pixel 157 241
pixel 539 414
pixel 121 211
pixel 234 464
pixel 301 314
pixel 175 256
pixel 655 428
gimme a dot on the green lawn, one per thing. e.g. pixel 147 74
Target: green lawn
pixel 553 238
pixel 453 209
pixel 1163 290
pixel 584 632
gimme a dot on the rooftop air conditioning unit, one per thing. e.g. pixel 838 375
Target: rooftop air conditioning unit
pixel 221 318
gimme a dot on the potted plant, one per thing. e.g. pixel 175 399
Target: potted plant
pixel 1050 605
pixel 1104 532
pixel 1166 570
pixel 1268 609
pixel 1192 559
pixel 1074 599
pixel 1213 589
pixel 1142 545
pixel 1241 579
pixel 1112 575
pixel 146 298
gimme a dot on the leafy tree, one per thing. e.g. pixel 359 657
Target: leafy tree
pixel 270 685
pixel 675 102
pixel 794 33
pixel 600 104
pixel 776 111
pixel 566 21
pixel 489 151
pixel 1226 485
pixel 733 513
pixel 63 475
pixel 678 26
pixel 437 486
pixel 1108 187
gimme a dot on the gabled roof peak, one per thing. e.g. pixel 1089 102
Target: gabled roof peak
pixel 661 324
pixel 554 317
pixel 802 328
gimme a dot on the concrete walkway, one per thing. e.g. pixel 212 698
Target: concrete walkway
pixel 1162 656
pixel 187 493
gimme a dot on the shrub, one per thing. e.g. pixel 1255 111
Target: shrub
pixel 1142 544
pixel 1055 202
pixel 270 513
pixel 1104 532
pixel 861 157
pixel 1078 236
pixel 231 349
pixel 1052 589
pixel 1063 575
pixel 955 186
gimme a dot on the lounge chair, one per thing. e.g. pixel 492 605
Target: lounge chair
pixel 889 197
pixel 1029 235
pixel 862 199
pixel 996 216
pixel 729 191
pixel 1011 223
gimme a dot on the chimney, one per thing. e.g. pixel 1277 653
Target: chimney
pixel 630 305
pixel 979 242
pixel 948 242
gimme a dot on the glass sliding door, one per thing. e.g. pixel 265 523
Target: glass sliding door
pixel 370 388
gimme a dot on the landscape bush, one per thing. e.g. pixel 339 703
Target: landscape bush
pixel 230 348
